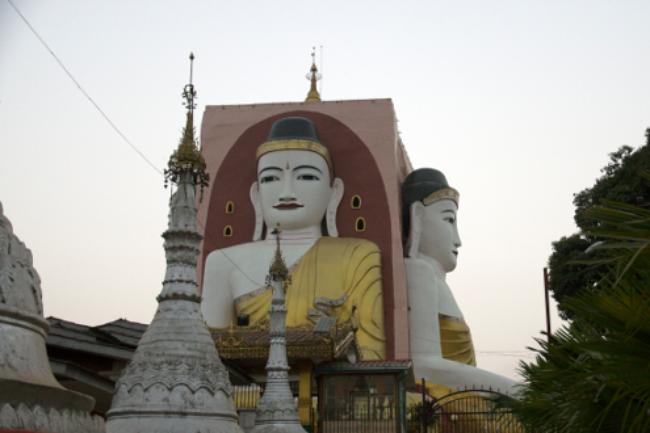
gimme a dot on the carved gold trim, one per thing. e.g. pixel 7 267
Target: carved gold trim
pixel 232 342
pixel 297 144
pixel 442 194
pixel 322 350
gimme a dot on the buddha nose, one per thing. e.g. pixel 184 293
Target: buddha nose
pixel 287 194
pixel 457 242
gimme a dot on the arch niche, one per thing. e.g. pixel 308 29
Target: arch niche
pixel 353 163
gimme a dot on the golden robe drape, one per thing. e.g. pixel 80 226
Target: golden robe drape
pixel 343 269
pixel 456 340
pixel 456 345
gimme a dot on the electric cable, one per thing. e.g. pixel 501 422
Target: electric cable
pixel 82 90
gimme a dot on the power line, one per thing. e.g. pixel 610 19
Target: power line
pixel 510 353
pixel 507 354
pixel 241 271
pixel 81 89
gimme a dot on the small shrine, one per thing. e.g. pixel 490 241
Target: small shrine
pixel 365 396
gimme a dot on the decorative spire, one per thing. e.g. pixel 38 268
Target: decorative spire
pixel 276 411
pixel 187 158
pixel 175 381
pixel 278 270
pixel 313 77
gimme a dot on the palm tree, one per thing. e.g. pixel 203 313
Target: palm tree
pixel 594 374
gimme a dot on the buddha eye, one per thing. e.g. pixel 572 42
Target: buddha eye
pixel 308 177
pixel 269 178
pixel 450 220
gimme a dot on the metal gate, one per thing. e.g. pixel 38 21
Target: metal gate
pixel 468 411
pixel 359 404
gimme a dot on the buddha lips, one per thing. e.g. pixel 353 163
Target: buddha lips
pixel 288 206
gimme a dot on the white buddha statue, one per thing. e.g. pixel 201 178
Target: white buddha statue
pixel 296 191
pixel 441 343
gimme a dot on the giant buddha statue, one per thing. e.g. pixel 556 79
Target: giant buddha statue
pixel 297 191
pixel 441 343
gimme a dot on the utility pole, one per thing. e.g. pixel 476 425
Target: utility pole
pixel 548 311
pixel 423 422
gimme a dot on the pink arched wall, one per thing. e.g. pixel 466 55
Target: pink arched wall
pixel 353 163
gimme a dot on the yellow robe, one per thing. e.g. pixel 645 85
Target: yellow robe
pixel 456 340
pixel 344 269
pixel 456 345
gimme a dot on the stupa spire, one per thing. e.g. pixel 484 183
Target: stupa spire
pixel 175 382
pixel 276 411
pixel 187 158
pixel 313 77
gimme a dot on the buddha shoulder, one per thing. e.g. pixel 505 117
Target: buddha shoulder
pixel 351 247
pixel 361 244
pixel 422 264
pixel 224 258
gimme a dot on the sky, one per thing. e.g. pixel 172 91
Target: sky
pixel 517 102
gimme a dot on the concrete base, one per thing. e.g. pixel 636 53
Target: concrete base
pixel 14 393
pixel 246 419
pixel 37 418
pixel 171 423
pixel 278 428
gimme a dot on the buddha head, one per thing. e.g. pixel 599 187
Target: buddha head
pixel 295 187
pixel 429 210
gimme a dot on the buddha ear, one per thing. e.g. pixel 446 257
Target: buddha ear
pixel 415 233
pixel 259 218
pixel 332 207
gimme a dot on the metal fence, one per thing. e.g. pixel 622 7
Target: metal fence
pixel 360 414
pixel 361 403
pixel 471 411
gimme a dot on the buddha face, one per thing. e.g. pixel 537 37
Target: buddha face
pixel 440 239
pixel 294 188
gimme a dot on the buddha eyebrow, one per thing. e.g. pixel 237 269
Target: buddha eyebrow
pixel 268 168
pixel 308 166
pixel 449 210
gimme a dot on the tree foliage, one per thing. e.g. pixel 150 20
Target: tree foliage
pixel 594 374
pixel 620 181
pixel 421 413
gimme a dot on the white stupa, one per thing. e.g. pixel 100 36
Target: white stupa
pixel 276 411
pixel 31 399
pixel 176 382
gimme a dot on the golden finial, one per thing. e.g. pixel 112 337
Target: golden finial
pixel 278 270
pixel 187 158
pixel 313 77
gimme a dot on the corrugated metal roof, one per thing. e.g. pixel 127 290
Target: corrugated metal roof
pixel 89 339
pixel 362 366
pixel 125 331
